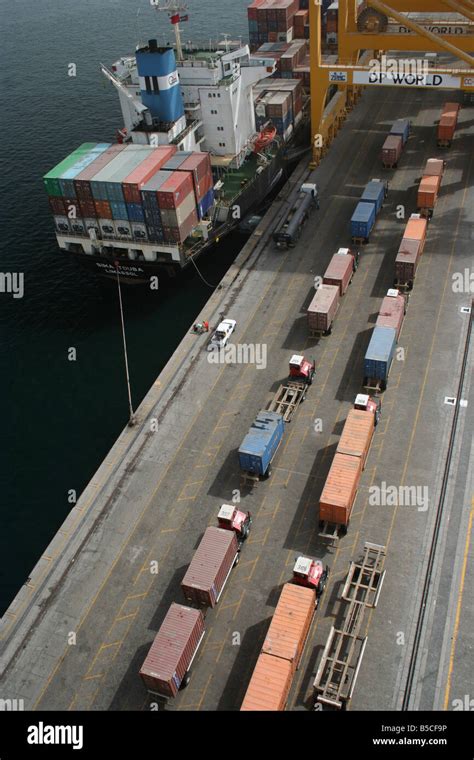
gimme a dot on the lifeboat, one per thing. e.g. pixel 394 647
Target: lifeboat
pixel 265 137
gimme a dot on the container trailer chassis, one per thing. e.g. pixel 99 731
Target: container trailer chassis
pixel 341 660
pixel 425 211
pixel 330 531
pixel 287 399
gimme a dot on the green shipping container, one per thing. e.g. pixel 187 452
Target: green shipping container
pixel 51 179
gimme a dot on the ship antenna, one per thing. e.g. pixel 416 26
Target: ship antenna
pixel 131 420
pixel 174 9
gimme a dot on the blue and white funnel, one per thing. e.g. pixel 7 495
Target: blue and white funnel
pixel 159 82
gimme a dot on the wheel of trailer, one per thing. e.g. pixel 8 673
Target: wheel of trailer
pixel 372 21
pixel 344 529
pixel 329 330
pixel 410 285
pixel 236 561
pixel 268 473
pixel 185 681
pixel 383 385
pixel 377 418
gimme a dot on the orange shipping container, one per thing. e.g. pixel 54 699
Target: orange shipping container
pixel 434 168
pixel 357 435
pixel 270 684
pixel 340 489
pixel 416 229
pixel 450 109
pixel 290 624
pixel 446 128
pixel 428 192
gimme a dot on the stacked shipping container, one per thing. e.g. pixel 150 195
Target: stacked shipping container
pixel 429 187
pixel 281 651
pixel 281 102
pixel 271 21
pixel 447 124
pixel 131 192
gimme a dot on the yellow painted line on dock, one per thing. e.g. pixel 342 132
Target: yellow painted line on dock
pixel 457 619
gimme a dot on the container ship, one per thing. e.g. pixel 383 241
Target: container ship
pixel 206 136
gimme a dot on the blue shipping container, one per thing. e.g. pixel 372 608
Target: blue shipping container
pixel 155 234
pixel 119 210
pixel 205 203
pixel 374 192
pixel 379 356
pixel 261 442
pixel 401 127
pixel 363 220
pixel 135 212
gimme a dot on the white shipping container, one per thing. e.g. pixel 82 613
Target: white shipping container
pixel 77 226
pixel 139 231
pixel 123 229
pixel 107 228
pixel 61 224
pixel 175 217
pixel 92 225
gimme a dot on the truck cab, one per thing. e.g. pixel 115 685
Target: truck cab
pixel 350 252
pixel 301 369
pixel 366 403
pixel 310 573
pixel 231 518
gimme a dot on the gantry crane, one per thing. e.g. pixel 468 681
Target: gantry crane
pixel 369 28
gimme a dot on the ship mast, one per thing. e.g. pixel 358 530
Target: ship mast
pixel 173 8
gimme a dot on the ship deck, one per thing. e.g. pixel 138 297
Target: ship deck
pixel 156 492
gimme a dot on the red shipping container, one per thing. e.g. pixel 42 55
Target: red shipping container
pixel 391 150
pixel 199 164
pixel 323 308
pixel 177 187
pixel 103 210
pixel 82 181
pixel 392 311
pixel 173 650
pixel 339 271
pixel 133 184
pixel 446 128
pixel 56 205
pixel 71 206
pixel 406 262
pixel 410 250
pixel 210 567
pixel 87 208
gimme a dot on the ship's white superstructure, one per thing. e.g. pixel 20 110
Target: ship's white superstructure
pixel 217 92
